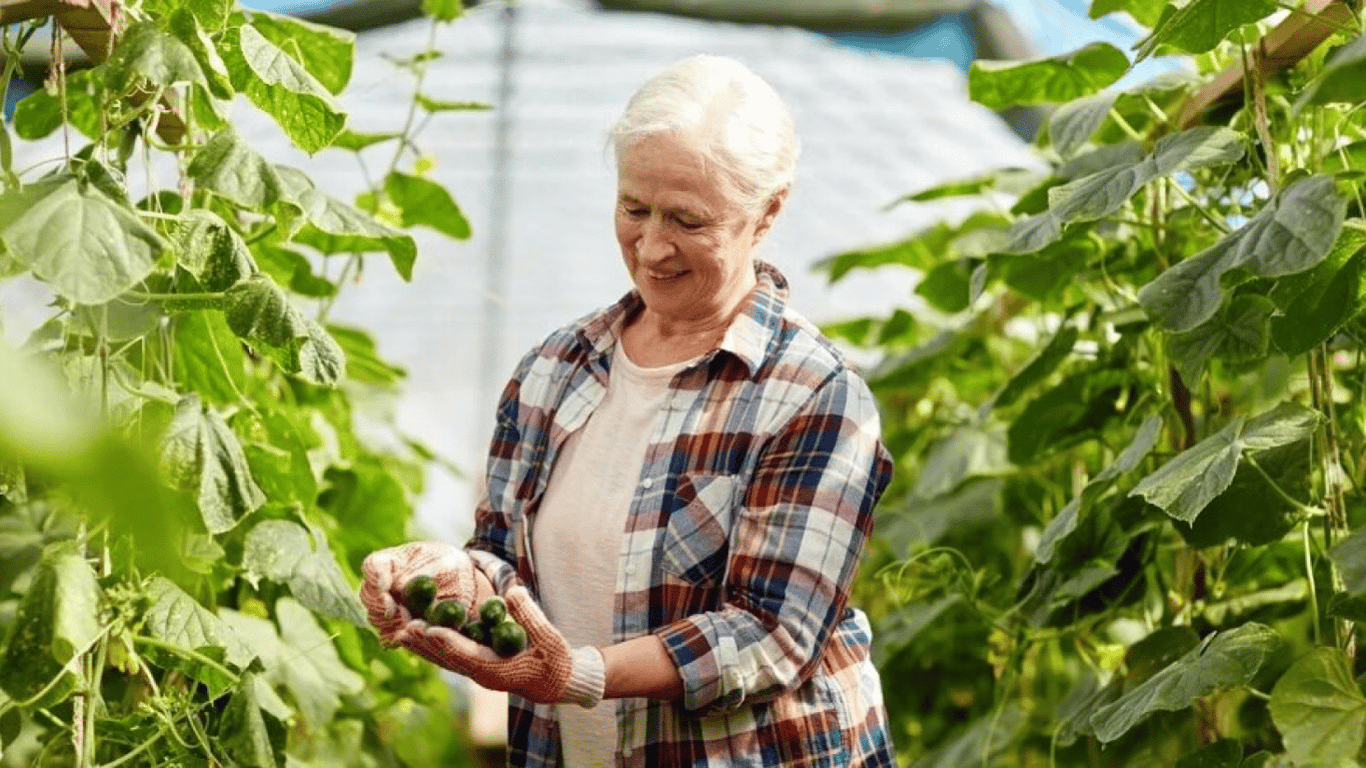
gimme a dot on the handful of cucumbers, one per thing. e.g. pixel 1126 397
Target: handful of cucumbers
pixel 491 625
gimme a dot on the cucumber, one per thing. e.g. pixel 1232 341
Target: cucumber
pixel 450 614
pixel 418 593
pixel 508 639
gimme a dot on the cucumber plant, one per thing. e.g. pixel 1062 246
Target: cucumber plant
pixel 185 497
pixel 1128 525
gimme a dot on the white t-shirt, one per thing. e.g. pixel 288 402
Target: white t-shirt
pixel 576 539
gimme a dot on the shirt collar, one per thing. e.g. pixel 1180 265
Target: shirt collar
pixel 748 337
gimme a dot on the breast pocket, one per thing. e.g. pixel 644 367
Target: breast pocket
pixel 696 539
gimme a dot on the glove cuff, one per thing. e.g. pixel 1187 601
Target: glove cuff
pixel 588 678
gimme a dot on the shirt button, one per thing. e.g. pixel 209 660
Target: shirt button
pixel 647 482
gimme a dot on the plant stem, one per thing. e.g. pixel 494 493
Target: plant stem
pixel 1124 126
pixel 1280 492
pixel 1253 77
pixel 1313 587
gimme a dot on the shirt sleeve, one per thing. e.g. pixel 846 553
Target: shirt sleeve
pixel 798 537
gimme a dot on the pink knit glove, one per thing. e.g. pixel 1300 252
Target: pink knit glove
pixel 386 571
pixel 541 673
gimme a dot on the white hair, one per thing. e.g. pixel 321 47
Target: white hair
pixel 741 120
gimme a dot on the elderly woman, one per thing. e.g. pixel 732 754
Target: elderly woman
pixel 680 486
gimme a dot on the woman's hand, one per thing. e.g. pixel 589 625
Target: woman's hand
pixel 386 571
pixel 541 673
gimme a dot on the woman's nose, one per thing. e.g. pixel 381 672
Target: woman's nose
pixel 654 243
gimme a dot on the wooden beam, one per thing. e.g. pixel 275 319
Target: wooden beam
pixel 92 25
pixel 1283 47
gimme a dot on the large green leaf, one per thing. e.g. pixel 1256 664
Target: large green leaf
pixel 212 250
pixel 1146 12
pixel 1103 193
pixel 1065 522
pixel 281 86
pixel 1332 298
pixel 258 311
pixel 58 620
pixel 1185 485
pixel 913 521
pixel 1343 79
pixel 1001 84
pixel 1077 409
pixel 200 453
pixel 229 166
pixel 423 201
pixel 191 639
pixel 369 503
pixel 1040 367
pixel 207 358
pixel 248 733
pixel 969 451
pixel 1290 234
pixel 300 656
pixel 89 247
pixel 1319 709
pixel 921 251
pixel 363 362
pixel 1222 660
pixel 1200 25
pixel 291 268
pixel 40 113
pixel 1239 332
pixel 1250 511
pixel 1074 123
pixel 277 448
pixel 146 54
pixel 286 552
pixel 326 52
pixel 335 227
pixel 186 26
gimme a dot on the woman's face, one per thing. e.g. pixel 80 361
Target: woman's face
pixel 689 249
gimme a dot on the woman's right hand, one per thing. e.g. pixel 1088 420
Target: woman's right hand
pixel 386 571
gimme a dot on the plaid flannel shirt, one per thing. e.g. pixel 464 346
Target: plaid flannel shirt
pixel 747 525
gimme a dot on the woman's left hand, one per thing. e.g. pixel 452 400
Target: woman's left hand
pixel 540 673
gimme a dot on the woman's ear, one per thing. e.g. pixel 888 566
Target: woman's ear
pixel 770 213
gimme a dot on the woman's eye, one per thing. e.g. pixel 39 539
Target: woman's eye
pixel 689 224
pixel 636 212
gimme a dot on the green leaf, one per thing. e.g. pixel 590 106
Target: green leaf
pixel 58 620
pixel 1290 234
pixel 229 166
pixel 287 553
pixel 281 86
pixel 969 451
pixel 37 115
pixel 947 287
pixel 1040 367
pixel 914 521
pixel 1074 123
pixel 1073 713
pixel 259 312
pixel 147 55
pixel 1343 80
pixel 335 227
pixel 1318 313
pixel 207 358
pixel 1185 485
pixel 190 636
pixel 326 52
pixel 1224 659
pixel 1105 192
pixel 190 31
pixel 211 250
pixel 1000 84
pixel 443 10
pixel 90 248
pixel 1350 557
pixel 201 454
pixel 277 449
pixel 1065 522
pixel 1146 12
pixel 40 113
pixel 1250 511
pixel 438 105
pixel 247 733
pixel 1239 332
pixel 293 269
pixel 423 201
pixel 300 656
pixel 363 362
pixel 370 506
pixel 1200 25
pixel 355 141
pixel 1073 411
pixel 1319 709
